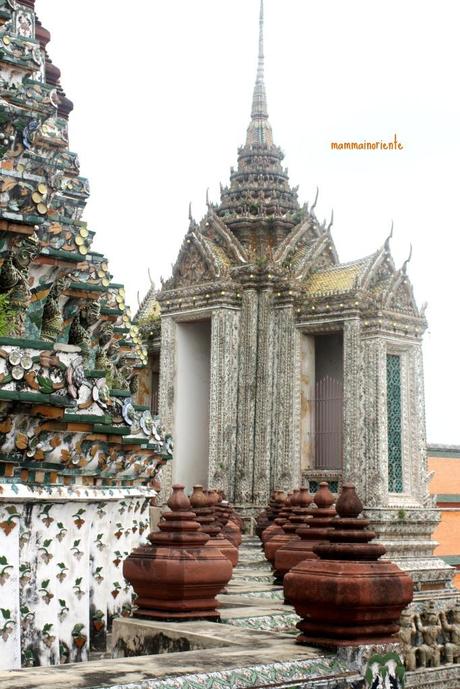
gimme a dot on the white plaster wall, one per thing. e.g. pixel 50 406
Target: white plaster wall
pixel 307 392
pixel 193 352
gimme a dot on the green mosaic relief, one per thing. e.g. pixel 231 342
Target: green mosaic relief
pixel 395 478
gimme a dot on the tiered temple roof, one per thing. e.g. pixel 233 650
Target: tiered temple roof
pixel 259 232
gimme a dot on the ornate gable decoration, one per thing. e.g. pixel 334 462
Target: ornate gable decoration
pixel 196 264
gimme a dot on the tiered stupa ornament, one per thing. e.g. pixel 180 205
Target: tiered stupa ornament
pixel 281 538
pixel 276 520
pixel 179 575
pixel 205 504
pixel 349 596
pixel 299 517
pixel 311 532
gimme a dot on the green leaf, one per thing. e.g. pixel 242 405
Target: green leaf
pixel 46 386
pixel 6 614
pixel 45 583
pixel 3 560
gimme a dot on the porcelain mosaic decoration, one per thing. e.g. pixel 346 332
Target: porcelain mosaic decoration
pixel 79 460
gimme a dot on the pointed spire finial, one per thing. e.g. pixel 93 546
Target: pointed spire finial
pixel 259 131
pixel 261 62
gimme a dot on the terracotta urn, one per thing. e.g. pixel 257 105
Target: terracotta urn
pixel 275 527
pixel 204 504
pixel 311 532
pixel 348 596
pixel 301 514
pixel 231 530
pixel 177 576
pixel 266 517
pixel 274 544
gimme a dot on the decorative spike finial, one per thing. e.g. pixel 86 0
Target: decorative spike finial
pixel 331 222
pixel 190 216
pixel 139 299
pixel 207 197
pixel 152 284
pixel 407 261
pixel 315 201
pixel 390 236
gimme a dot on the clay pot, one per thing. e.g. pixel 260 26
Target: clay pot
pixel 202 503
pixel 275 527
pixel 287 534
pixel 232 532
pixel 348 597
pixel 178 576
pixel 300 515
pixel 311 532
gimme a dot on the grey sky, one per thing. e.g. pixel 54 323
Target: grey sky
pixel 163 92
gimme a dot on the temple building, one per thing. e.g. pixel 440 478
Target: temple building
pixel 280 365
pixel 303 366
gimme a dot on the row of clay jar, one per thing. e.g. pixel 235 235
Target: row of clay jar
pixel 331 570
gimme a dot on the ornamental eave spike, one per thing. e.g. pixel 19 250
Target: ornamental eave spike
pixel 331 222
pixel 315 201
pixel 407 261
pixel 388 239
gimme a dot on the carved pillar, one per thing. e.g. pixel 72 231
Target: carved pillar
pixel 246 397
pixel 375 475
pixel 353 412
pixel 286 402
pixel 420 477
pixel 264 398
pixel 223 399
pixel 167 392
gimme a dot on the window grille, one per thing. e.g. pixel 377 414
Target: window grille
pixel 395 474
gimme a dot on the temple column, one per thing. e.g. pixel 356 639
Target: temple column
pixel 167 393
pixel 223 400
pixel 375 423
pixel 264 399
pixel 244 467
pixel 287 401
pixel 353 411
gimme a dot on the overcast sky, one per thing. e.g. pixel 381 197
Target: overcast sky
pixel 162 93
